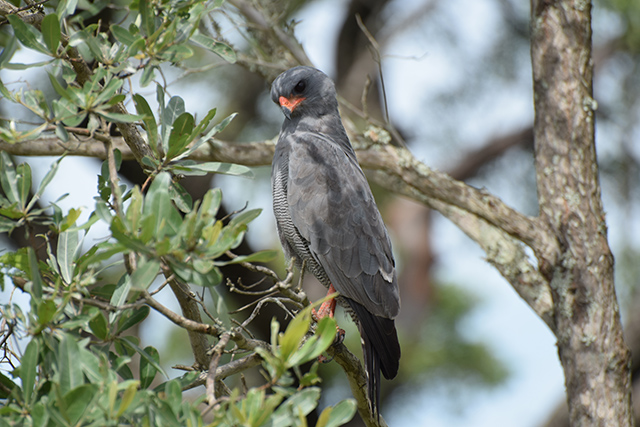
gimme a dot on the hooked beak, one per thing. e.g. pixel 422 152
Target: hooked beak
pixel 289 104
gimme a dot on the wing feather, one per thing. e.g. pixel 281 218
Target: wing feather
pixel 332 208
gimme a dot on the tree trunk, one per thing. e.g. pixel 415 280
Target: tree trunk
pixel 591 348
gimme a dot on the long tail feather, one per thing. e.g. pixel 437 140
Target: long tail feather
pixel 380 348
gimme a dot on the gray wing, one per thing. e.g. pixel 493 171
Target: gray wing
pixel 332 208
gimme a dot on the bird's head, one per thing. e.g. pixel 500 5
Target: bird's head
pixel 301 91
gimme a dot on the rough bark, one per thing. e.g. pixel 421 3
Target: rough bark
pixel 594 356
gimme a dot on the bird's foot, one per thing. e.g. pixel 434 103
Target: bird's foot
pixel 324 359
pixel 340 334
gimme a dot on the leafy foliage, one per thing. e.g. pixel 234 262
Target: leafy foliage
pixel 72 357
pixel 78 364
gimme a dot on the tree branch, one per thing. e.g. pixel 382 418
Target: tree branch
pixel 357 378
pixel 27 15
pixel 397 164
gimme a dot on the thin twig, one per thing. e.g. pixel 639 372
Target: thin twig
pixel 377 57
pixel 213 366
pixel 228 369
pixel 365 95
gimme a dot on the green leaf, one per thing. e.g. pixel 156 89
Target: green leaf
pixel 128 342
pixel 143 109
pixel 147 16
pixel 119 232
pixel 6 225
pixel 188 273
pixel 51 32
pixel 28 369
pixel 39 415
pixel 133 50
pixel 18 66
pixel 91 366
pixel 221 49
pixel 67 112
pixel 179 136
pixel 132 318
pixel 262 256
pixel 77 402
pixel 173 110
pixel 9 178
pixel 148 371
pixel 123 35
pixel 127 397
pixel 70 370
pixel 70 220
pixel 75 322
pixel 204 123
pixel 245 217
pixel 183 381
pixel 340 414
pixel 99 326
pixel 117 117
pixel 150 162
pixel 174 395
pixel 3 90
pixel 303 402
pixel 102 252
pixel 177 53
pixel 109 91
pixel 6 55
pixel 23 172
pixel 221 312
pixel 7 386
pixel 215 130
pixel 67 254
pixel 148 75
pixel 34 275
pixel 210 205
pixel 66 8
pixel 315 345
pixel 62 133
pixel 188 168
pixel 159 208
pixel 295 332
pixel 181 197
pixel 68 73
pixel 121 364
pixel 46 310
pixel 120 295
pixel 116 99
pixel 145 274
pixel 27 34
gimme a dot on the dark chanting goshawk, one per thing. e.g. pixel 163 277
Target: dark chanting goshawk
pixel 327 217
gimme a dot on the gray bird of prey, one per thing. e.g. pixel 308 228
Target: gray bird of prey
pixel 327 218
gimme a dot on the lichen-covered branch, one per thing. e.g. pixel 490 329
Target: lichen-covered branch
pixel 396 163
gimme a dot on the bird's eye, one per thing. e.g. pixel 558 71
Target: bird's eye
pixel 301 86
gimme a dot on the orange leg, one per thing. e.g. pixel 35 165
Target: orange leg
pixel 328 308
